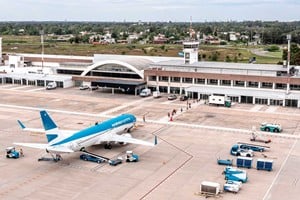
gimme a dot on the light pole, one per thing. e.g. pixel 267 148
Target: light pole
pixel 288 37
pixel 42 41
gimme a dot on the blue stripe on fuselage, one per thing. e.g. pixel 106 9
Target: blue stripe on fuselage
pixel 100 128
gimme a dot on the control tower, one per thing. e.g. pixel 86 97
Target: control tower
pixel 190 50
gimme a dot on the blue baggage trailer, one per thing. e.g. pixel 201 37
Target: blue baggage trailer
pixel 244 162
pixel 227 162
pixel 264 164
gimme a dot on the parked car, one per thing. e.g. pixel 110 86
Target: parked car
pixel 87 157
pixel 84 87
pixel 184 98
pixel 172 97
pixel 269 127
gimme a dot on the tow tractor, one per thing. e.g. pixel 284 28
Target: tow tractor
pixel 11 152
pixel 130 157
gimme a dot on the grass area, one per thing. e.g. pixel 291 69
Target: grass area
pixel 277 54
pixel 32 44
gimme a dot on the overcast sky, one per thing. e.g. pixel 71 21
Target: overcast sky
pixel 149 10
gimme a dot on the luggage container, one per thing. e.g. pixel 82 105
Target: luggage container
pixel 209 188
pixel 263 164
pixel 244 162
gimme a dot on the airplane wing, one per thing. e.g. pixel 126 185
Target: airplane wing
pixel 33 145
pixel 58 149
pixel 120 138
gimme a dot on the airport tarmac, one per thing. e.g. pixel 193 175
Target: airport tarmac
pixel 186 154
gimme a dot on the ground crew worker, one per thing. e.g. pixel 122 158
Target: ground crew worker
pixel 21 152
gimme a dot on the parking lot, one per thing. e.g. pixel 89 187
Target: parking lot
pixel 187 151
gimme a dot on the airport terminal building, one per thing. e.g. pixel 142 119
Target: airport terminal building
pixel 242 83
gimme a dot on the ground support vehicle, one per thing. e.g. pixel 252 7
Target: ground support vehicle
pixel 235 174
pixel 131 157
pixel 256 138
pixel 227 162
pixel 232 186
pixel 270 127
pixel 252 147
pixel 91 158
pixel 209 188
pixel 237 151
pixel 11 152
pixel 115 162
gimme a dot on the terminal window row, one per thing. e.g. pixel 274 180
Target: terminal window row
pixel 235 83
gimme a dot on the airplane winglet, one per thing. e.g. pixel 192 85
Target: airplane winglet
pixel 21 124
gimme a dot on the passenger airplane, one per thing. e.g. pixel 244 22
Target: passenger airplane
pixel 67 141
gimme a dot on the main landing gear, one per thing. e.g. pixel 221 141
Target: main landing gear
pixel 107 146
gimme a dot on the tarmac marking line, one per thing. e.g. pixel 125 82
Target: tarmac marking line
pixel 266 196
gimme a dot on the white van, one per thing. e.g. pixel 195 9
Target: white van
pixel 51 85
pixel 156 94
pixel 145 92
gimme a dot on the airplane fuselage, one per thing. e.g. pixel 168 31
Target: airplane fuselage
pixel 91 135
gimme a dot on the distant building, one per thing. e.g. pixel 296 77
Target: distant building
pixel 160 39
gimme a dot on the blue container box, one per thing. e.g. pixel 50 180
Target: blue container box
pixel 263 164
pixel 244 162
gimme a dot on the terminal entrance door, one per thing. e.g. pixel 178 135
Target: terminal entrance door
pixel 246 99
pixel 234 99
pixel 30 82
pixel 203 96
pixel 261 101
pixel 275 102
pixel 291 102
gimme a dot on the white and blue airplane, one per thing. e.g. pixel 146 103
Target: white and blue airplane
pixel 68 141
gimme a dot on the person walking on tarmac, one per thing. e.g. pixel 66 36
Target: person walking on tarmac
pixel 21 153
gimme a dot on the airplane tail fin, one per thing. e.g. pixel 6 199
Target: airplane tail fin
pixel 49 126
